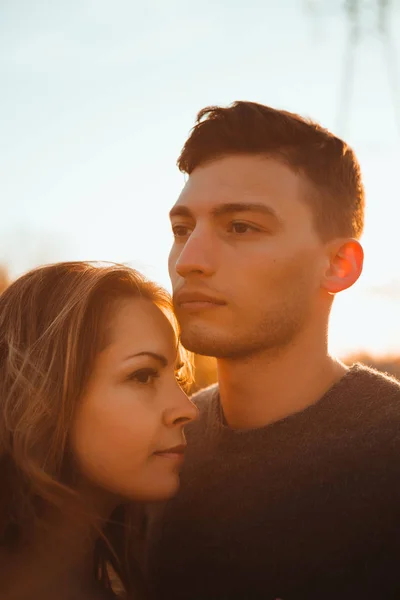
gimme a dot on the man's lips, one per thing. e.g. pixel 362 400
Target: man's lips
pixel 192 299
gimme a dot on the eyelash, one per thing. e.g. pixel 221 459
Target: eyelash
pixel 232 224
pixel 247 225
pixel 176 228
pixel 152 374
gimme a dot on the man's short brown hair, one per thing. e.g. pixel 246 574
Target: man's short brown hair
pixel 329 166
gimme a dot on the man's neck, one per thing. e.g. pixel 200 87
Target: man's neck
pixel 271 385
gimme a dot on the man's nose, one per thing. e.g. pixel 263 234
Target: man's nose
pixel 181 410
pixel 197 256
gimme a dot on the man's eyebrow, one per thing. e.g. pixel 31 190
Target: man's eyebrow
pixel 234 207
pixel 180 210
pixel 159 357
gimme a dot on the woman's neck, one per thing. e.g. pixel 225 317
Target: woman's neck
pixel 59 563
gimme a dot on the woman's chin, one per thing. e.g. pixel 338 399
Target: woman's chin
pixel 157 491
pixel 164 492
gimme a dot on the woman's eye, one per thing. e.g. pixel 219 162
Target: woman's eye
pixel 144 376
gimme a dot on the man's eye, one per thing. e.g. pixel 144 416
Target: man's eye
pixel 144 376
pixel 180 231
pixel 241 227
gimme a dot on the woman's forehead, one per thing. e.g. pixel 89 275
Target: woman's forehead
pixel 136 324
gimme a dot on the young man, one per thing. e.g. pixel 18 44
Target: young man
pixel 291 485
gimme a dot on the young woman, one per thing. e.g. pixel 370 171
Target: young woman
pixel 91 424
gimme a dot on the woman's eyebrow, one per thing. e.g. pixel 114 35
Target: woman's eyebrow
pixel 159 357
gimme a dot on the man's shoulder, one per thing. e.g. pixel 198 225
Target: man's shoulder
pixel 376 375
pixel 205 395
pixel 373 384
pixel 370 398
pixel 207 401
pixel 359 376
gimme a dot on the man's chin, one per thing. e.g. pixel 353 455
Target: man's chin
pixel 206 344
pixel 198 342
pixel 195 346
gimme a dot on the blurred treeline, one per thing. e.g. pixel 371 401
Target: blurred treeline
pixel 206 370
pixel 4 280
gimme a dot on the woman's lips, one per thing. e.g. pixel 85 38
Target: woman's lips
pixel 174 453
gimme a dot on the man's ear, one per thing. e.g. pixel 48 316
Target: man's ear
pixel 346 258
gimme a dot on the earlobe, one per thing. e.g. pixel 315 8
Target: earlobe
pixel 345 265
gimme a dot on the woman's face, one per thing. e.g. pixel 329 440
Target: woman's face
pixel 128 430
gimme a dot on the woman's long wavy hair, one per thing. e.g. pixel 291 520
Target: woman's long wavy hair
pixel 52 325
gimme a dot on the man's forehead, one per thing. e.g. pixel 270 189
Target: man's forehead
pixel 191 203
pixel 261 184
pixel 209 191
pixel 204 191
pixel 224 176
pixel 238 174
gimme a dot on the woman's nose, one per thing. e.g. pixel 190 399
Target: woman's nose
pixel 181 411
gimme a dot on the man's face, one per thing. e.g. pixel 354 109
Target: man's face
pixel 246 262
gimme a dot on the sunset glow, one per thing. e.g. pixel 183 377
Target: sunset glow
pixel 97 101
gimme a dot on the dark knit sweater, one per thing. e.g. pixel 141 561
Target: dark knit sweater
pixel 306 508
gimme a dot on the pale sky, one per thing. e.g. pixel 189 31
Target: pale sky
pixel 97 98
